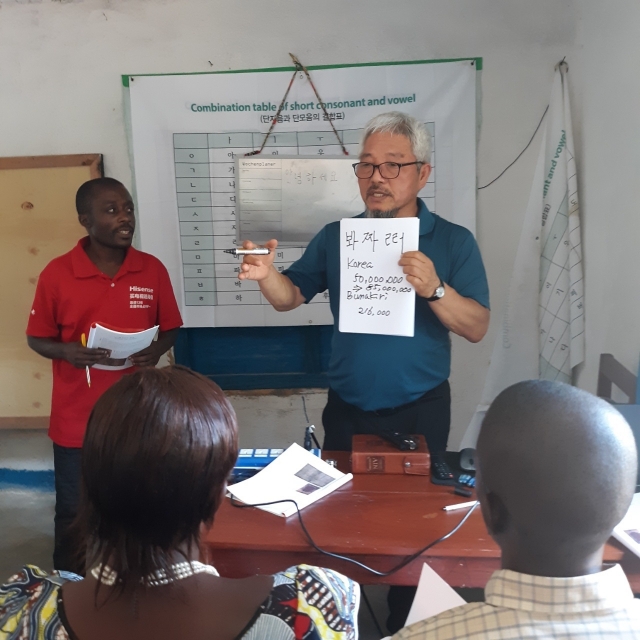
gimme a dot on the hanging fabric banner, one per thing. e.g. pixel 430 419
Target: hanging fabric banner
pixel 561 280
pixel 542 331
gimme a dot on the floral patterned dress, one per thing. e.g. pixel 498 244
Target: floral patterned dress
pixel 305 602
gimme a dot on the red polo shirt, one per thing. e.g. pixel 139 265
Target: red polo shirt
pixel 71 294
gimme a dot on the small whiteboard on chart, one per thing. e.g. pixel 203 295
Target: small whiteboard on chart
pixel 375 296
pixel 290 198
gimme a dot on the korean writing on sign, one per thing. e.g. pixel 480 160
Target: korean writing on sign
pixel 375 296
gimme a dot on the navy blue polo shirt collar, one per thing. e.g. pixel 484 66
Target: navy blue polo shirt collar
pixel 84 268
pixel 427 219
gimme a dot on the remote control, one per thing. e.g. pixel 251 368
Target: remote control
pixel 400 440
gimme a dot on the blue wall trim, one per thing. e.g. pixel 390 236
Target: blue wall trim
pixel 25 479
pixel 258 357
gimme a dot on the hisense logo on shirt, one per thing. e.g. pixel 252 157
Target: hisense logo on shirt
pixel 139 297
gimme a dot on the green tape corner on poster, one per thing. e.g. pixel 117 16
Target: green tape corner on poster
pixel 475 61
pixel 126 79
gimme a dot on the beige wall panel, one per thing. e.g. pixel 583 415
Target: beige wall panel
pixel 39 222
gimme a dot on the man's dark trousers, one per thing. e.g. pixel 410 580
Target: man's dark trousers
pixel 429 415
pixel 66 461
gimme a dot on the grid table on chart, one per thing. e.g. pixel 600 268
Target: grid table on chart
pixel 206 195
pixel 555 297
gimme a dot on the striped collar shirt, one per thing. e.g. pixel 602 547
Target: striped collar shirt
pixel 517 605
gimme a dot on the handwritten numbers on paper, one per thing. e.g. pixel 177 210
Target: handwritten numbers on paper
pixel 375 296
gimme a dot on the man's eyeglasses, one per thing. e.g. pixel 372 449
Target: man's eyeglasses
pixel 388 170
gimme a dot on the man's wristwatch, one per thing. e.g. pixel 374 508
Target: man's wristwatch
pixel 439 293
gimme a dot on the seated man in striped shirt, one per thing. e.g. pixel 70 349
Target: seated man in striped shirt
pixel 556 472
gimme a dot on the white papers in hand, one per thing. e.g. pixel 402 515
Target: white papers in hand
pixel 296 475
pixel 628 531
pixel 433 596
pixel 121 344
pixel 375 296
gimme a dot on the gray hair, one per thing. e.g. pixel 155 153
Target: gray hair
pixel 402 124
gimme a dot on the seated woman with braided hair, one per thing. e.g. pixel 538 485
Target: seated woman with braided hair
pixel 159 447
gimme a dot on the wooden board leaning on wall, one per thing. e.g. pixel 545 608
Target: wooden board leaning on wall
pixel 39 223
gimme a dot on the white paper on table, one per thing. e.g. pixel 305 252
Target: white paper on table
pixel 433 596
pixel 296 474
pixel 120 343
pixel 628 531
pixel 375 296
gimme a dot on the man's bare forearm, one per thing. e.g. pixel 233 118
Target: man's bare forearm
pixel 47 347
pixel 463 316
pixel 166 340
pixel 281 293
pixel 73 352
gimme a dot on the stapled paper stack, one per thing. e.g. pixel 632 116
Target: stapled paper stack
pixel 296 476
pixel 628 531
pixel 121 342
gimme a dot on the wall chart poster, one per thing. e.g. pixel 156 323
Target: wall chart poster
pixel 187 130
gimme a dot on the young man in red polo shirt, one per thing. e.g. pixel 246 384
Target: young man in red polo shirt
pixel 103 279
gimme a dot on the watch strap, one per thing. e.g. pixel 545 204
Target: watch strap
pixel 435 296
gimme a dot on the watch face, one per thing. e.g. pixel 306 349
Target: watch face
pixel 439 292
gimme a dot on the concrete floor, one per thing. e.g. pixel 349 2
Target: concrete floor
pixel 26 500
pixel 26 529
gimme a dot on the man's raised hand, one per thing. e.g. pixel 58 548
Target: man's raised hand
pixel 420 272
pixel 257 267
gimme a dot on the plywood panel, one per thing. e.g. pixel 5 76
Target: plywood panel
pixel 39 222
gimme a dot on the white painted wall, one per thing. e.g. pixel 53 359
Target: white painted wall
pixel 606 86
pixel 278 419
pixel 60 91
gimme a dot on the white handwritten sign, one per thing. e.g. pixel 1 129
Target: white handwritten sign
pixel 375 296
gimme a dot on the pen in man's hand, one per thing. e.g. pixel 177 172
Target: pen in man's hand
pixel 83 340
pixel 259 251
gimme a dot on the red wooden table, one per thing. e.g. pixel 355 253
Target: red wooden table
pixel 378 520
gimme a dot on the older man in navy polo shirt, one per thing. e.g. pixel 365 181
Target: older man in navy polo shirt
pixel 384 383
